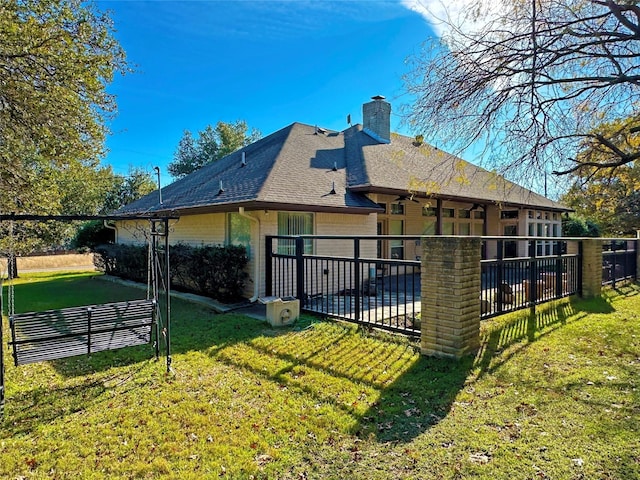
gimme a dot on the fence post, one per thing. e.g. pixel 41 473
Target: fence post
pixel 533 276
pixel 591 267
pixel 268 266
pixel 615 263
pixel 500 276
pixel 356 277
pixel 451 283
pixel 638 256
pixel 300 270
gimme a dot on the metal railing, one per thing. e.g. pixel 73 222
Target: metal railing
pixel 356 286
pixel 515 283
pixel 360 286
pixel 619 260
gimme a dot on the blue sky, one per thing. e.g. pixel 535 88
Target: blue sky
pixel 270 63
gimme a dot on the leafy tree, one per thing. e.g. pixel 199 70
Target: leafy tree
pixel 123 189
pixel 610 197
pixel 211 145
pixel 127 188
pixel 577 227
pixel 532 82
pixel 56 58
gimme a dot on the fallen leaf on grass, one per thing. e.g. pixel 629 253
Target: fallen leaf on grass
pixel 263 459
pixel 481 458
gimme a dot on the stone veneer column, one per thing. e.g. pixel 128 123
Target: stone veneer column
pixel 591 267
pixel 451 282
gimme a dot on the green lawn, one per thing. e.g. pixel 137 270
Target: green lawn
pixel 552 396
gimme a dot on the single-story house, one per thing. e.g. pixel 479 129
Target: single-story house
pixel 363 180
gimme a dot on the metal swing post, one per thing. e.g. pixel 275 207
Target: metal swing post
pixel 1 351
pixel 168 291
pixel 153 267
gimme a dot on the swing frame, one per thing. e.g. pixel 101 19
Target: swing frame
pixel 101 327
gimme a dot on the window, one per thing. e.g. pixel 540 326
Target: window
pixel 478 214
pixel 428 211
pixel 464 229
pixel 478 229
pixel 447 228
pixel 397 209
pixel 510 230
pixel 396 227
pixel 509 214
pixel 238 230
pixel 448 212
pixel 294 224
pixel 429 228
pixel 462 213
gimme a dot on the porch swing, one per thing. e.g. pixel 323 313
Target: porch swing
pixel 68 332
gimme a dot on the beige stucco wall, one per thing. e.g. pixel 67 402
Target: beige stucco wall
pixel 324 224
pixel 205 229
pixel 210 229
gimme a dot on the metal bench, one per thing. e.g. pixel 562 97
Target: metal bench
pixel 55 334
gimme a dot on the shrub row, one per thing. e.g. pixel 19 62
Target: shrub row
pixel 212 270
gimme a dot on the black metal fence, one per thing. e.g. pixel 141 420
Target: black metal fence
pixel 360 286
pixel 510 284
pixel 356 286
pixel 619 260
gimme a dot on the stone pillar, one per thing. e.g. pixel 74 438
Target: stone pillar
pixel 451 282
pixel 591 267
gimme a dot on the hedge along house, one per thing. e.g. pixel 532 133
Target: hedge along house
pixel 361 181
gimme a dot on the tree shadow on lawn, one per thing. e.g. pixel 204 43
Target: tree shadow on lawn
pixel 412 392
pixel 40 398
pixel 527 326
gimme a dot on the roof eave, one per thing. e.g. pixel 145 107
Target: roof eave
pixel 395 191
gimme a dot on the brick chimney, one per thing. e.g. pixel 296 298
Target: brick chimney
pixel 376 119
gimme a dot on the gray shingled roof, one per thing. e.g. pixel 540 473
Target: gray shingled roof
pixel 427 171
pixel 297 167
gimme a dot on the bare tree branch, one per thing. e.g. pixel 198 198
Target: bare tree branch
pixel 533 85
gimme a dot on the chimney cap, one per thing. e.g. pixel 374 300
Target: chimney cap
pixel 378 97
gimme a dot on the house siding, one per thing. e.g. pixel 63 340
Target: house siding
pixel 324 224
pixel 210 229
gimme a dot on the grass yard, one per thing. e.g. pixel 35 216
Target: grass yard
pixel 552 396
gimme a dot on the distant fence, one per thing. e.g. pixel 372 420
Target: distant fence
pixel 348 278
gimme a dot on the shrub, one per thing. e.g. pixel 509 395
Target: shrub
pixel 92 234
pixel 212 270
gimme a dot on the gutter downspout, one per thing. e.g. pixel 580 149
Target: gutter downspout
pixel 256 258
pixel 111 227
